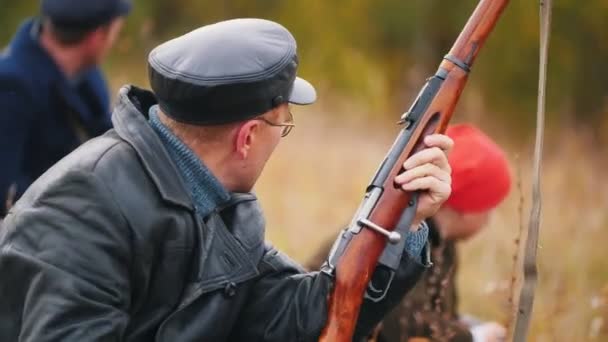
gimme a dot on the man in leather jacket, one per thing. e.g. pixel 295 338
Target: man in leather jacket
pixel 151 232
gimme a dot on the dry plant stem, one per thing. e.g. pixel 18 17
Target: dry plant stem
pixel 526 300
pixel 516 256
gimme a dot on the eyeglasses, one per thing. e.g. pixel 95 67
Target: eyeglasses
pixel 287 126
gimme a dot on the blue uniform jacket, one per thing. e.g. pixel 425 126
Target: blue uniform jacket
pixel 43 116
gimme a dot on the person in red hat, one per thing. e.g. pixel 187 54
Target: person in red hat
pixel 480 182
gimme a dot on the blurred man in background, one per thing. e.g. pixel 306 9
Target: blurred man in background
pixel 480 182
pixel 52 94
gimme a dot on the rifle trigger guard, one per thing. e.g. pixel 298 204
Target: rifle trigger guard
pixel 393 237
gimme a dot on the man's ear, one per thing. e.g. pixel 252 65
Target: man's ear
pixel 100 38
pixel 95 40
pixel 245 137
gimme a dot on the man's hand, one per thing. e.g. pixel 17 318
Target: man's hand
pixel 428 171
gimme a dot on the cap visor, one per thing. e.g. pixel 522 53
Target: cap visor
pixel 303 92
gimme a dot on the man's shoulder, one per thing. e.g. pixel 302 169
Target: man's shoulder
pixel 103 157
pixel 15 81
pixel 106 149
pixel 100 159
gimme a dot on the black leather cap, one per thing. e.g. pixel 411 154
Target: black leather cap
pixel 226 72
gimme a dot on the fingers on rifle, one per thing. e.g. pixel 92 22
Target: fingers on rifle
pixel 444 142
pixel 429 183
pixel 433 155
pixel 423 171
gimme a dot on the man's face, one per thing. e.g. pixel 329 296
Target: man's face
pixel 103 39
pixel 454 225
pixel 112 34
pixel 471 224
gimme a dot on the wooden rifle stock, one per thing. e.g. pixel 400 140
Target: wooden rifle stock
pixel 430 113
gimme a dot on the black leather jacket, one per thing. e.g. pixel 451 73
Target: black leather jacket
pixel 106 246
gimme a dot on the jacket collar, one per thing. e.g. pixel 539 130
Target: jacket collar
pixel 205 189
pixel 26 46
pixel 131 124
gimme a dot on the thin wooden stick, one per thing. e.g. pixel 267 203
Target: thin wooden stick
pixel 526 299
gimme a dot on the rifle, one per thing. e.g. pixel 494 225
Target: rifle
pixel 385 206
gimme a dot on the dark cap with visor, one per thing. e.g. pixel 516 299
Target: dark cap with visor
pixel 227 72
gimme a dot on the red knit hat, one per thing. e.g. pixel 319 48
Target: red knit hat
pixel 480 170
